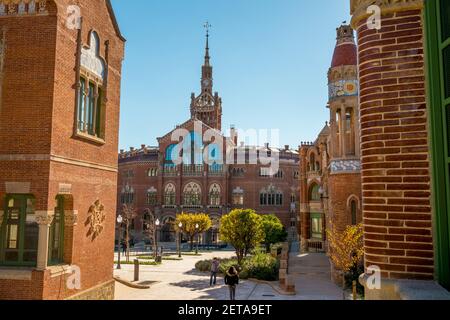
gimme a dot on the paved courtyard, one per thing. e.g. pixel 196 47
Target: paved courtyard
pixel 178 280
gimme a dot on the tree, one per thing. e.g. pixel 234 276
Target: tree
pixel 190 221
pixel 346 249
pixel 243 229
pixel 128 215
pixel 273 229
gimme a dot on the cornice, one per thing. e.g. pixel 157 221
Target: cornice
pixel 358 8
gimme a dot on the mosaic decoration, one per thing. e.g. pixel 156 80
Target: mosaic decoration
pixel 345 166
pixel 343 88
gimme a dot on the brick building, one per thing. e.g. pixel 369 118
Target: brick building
pixel 204 174
pixel 404 72
pixel 59 115
pixel 330 180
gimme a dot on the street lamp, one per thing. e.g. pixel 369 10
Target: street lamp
pixel 156 237
pixel 119 222
pixel 196 230
pixel 180 226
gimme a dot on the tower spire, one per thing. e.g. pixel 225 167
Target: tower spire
pixel 207 57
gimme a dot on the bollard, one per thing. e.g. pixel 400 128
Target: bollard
pixel 136 270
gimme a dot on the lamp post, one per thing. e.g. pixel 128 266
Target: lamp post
pixel 180 226
pixel 196 231
pixel 119 222
pixel 156 237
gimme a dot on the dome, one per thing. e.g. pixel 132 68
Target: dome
pixel 345 53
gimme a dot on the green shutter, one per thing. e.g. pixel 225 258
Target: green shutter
pixel 437 21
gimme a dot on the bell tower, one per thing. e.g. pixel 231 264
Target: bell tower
pixel 207 107
pixel 343 97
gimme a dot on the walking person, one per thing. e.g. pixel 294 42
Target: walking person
pixel 232 280
pixel 214 270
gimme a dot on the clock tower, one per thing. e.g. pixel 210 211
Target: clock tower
pixel 207 107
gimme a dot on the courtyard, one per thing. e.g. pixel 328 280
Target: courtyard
pixel 178 280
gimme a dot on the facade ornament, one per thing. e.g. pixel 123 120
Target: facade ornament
pixel 70 218
pixel 21 8
pixel 358 8
pixel 96 218
pixel 42 6
pixel 44 217
pixel 12 9
pixel 2 9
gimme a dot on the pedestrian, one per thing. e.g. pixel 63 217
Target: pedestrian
pixel 232 280
pixel 124 247
pixel 214 270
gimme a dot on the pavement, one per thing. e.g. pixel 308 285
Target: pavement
pixel 178 280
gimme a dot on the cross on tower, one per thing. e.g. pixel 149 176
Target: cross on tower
pixel 207 26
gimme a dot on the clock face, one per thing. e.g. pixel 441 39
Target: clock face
pixel 206 82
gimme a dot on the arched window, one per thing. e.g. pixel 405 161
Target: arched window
pixel 238 197
pixel 169 195
pixel 279 174
pixel 353 210
pixel 192 194
pixel 314 193
pixel 271 197
pixel 152 195
pixel 153 172
pixel 338 120
pixel 127 195
pixel 56 236
pixel 348 121
pixel 214 195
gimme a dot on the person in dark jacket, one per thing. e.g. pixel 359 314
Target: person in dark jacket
pixel 232 280
pixel 214 270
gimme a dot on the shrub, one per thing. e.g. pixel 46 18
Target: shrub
pixel 203 265
pixel 260 266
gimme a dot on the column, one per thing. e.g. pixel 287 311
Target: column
pixel 44 220
pixel 70 221
pixel 394 139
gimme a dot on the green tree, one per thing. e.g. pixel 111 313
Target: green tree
pixel 190 221
pixel 274 230
pixel 243 229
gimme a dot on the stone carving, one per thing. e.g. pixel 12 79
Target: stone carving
pixel 23 7
pixel 42 6
pixel 70 218
pixel 44 217
pixel 97 217
pixel 32 7
pixel 90 57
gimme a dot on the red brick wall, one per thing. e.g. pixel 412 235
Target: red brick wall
pixel 37 118
pixel 395 158
pixel 341 189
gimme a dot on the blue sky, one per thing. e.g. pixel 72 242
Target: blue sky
pixel 270 60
